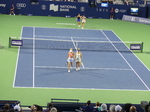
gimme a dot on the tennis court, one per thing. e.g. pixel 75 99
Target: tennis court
pixel 45 67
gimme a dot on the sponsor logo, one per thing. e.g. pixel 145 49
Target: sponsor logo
pixel 133 19
pixel 43 7
pixel 103 10
pixel 53 7
pixel 16 42
pixel 135 47
pixel 62 8
pixel 21 5
pixel 82 9
pixel 116 10
pixel 67 8
pixel 120 10
pixel 144 21
pixel 136 19
pixel 2 5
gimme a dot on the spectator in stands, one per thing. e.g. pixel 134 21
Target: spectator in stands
pixel 17 108
pixel 112 12
pixel 36 108
pixel 132 109
pixel 147 108
pixel 112 108
pixel 97 106
pixel 114 2
pixel 118 108
pixel 88 107
pixel 6 108
pixel 50 108
pixel 127 2
pixel 103 107
pixel 137 3
pixel 12 10
pixel 127 107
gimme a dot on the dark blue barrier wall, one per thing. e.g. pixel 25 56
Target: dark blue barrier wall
pixel 70 9
pixel 148 8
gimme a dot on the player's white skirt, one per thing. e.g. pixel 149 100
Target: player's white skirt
pixel 70 59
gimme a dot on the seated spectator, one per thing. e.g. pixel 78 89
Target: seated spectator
pixel 132 109
pixel 50 108
pixel 88 107
pixel 17 108
pixel 127 107
pixel 103 107
pixel 36 108
pixel 114 2
pixel 147 108
pixel 112 108
pixel 137 3
pixel 6 107
pixel 118 108
pixel 97 107
pixel 127 3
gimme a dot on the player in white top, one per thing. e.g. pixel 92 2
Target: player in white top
pixel 83 21
pixel 70 58
pixel 78 58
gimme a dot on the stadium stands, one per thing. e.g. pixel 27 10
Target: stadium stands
pixel 69 105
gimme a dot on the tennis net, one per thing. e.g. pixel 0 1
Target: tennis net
pixel 38 43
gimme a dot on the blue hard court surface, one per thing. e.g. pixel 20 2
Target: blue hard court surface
pixel 46 68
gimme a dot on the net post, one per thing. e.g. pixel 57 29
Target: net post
pixel 9 44
pixel 142 47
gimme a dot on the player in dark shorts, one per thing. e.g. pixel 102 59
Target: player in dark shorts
pixel 112 12
pixel 12 10
pixel 79 20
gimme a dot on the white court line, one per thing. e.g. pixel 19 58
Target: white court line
pixel 17 61
pixel 126 62
pixel 81 88
pixel 83 68
pixel 33 57
pixel 66 23
pixel 134 54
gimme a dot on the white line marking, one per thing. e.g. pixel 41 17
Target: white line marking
pixel 17 61
pixel 66 23
pixel 33 57
pixel 127 62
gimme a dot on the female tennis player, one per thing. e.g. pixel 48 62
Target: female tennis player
pixel 83 21
pixel 78 20
pixel 70 58
pixel 78 58
pixel 12 10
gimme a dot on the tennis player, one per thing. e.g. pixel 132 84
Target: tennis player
pixel 70 58
pixel 78 58
pixel 12 10
pixel 83 21
pixel 79 20
pixel 112 12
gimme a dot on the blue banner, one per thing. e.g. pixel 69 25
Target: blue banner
pixel 135 47
pixel 67 9
pixel 15 42
pixel 136 19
